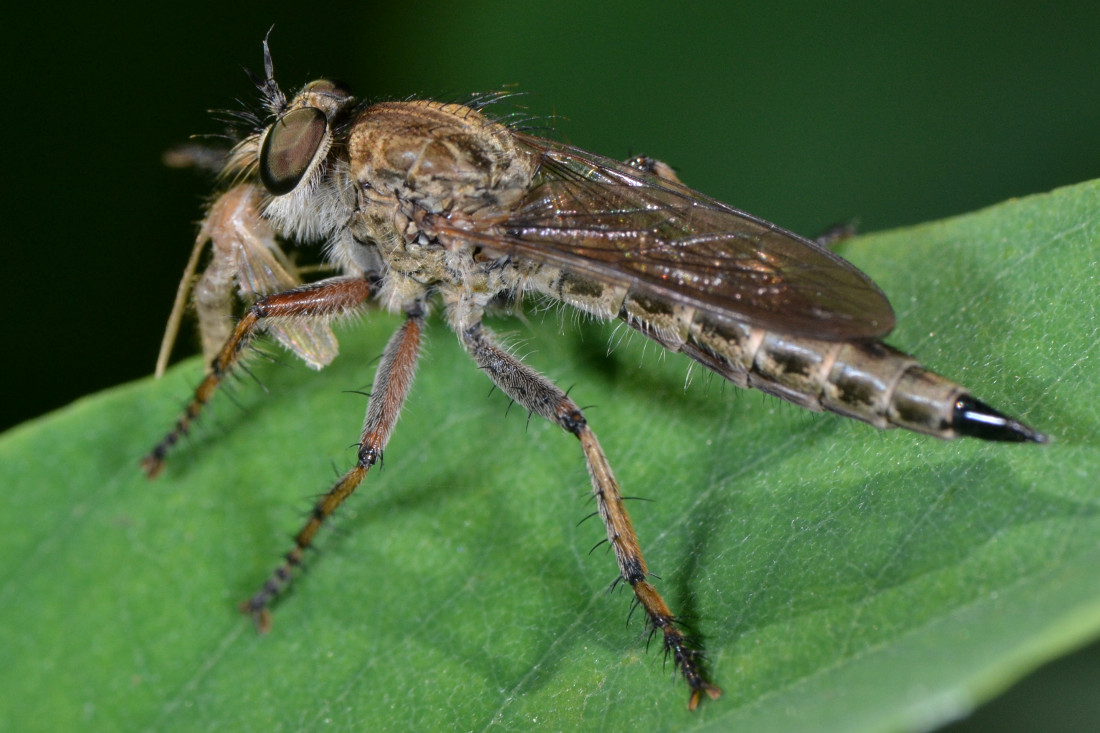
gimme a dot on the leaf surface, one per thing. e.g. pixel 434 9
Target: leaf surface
pixel 842 578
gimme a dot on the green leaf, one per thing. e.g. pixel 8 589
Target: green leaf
pixel 843 578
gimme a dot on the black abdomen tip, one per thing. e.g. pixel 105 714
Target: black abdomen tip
pixel 978 420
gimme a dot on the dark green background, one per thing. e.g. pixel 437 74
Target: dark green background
pixel 893 114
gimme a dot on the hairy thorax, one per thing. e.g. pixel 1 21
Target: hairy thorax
pixel 415 161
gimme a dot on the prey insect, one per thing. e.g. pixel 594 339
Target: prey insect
pixel 422 206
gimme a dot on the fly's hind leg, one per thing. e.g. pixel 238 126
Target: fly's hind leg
pixel 536 393
pixel 391 385
pixel 324 299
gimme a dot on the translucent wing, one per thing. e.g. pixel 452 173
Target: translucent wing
pixel 262 269
pixel 245 254
pixel 619 224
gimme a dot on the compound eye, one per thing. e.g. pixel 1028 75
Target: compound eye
pixel 290 147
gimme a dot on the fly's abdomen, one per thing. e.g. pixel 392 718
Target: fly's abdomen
pixel 855 379
pixel 866 380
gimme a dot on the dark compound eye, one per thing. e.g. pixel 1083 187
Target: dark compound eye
pixel 290 147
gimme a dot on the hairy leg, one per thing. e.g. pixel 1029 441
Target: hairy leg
pixel 324 299
pixel 391 385
pixel 536 393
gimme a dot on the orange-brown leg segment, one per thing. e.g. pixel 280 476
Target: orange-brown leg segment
pixel 536 393
pixel 324 299
pixel 391 386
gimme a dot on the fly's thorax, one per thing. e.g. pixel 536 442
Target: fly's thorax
pixel 443 158
pixel 412 160
pixel 354 250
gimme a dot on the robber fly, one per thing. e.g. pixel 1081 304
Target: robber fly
pixel 422 205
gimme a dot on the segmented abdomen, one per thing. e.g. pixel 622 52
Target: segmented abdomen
pixel 865 380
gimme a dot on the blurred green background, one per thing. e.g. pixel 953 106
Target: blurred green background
pixel 800 113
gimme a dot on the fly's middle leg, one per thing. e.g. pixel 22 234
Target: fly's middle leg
pixel 391 386
pixel 319 300
pixel 537 394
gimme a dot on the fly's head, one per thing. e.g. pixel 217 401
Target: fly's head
pixel 296 158
pixel 294 148
pixel 285 182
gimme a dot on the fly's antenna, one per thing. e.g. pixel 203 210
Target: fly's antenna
pixel 274 99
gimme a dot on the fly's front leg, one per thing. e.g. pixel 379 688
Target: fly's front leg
pixel 325 299
pixel 391 386
pixel 536 393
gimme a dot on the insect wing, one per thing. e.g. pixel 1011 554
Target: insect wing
pixel 619 224
pixel 262 269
